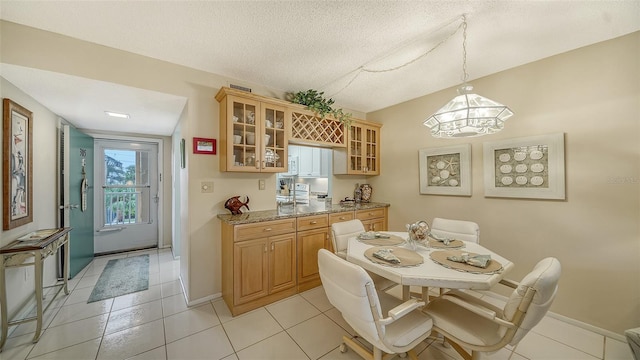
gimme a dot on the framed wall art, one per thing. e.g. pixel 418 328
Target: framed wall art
pixel 530 167
pixel 204 146
pixel 17 165
pixel 445 170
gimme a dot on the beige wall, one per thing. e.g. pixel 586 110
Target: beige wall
pixel 44 193
pixel 593 96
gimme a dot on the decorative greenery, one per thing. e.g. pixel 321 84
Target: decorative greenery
pixel 316 102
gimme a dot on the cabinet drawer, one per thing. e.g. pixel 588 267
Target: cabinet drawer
pixel 312 222
pixel 370 214
pixel 339 217
pixel 264 229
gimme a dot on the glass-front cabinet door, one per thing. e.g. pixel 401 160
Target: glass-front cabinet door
pixel 275 129
pixel 364 151
pixel 254 133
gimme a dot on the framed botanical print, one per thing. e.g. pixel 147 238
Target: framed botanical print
pixel 445 170
pixel 17 165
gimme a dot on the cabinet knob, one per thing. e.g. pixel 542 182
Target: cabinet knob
pixel 313 222
pixel 265 247
pixel 342 217
pixel 267 229
pixel 273 247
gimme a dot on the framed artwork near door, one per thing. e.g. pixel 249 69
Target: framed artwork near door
pixel 17 165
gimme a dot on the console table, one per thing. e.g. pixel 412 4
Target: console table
pixel 35 246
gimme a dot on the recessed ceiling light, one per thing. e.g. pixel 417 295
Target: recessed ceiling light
pixel 118 115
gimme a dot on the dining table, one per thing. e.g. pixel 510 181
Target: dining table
pixel 426 272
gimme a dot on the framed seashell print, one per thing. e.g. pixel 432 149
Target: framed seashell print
pixel 538 164
pixel 445 170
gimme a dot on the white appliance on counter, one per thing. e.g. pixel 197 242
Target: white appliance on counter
pixel 301 194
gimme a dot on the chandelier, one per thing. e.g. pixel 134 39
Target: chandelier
pixel 468 114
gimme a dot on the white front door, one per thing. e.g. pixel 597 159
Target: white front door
pixel 126 206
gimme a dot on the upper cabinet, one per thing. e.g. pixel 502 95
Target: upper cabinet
pixel 254 133
pixel 362 155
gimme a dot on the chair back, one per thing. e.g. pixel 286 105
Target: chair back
pixel 341 232
pixel 531 300
pixel 348 288
pixel 456 229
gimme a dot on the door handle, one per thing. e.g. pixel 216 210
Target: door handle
pixel 69 206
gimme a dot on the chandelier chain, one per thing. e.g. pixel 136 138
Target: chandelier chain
pixel 465 75
pixel 362 68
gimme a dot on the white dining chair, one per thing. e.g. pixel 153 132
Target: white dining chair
pixel 350 290
pixel 456 229
pixel 468 322
pixel 341 232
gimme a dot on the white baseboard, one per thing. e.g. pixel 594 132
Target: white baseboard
pixel 191 303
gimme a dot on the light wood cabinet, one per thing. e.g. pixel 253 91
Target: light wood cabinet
pixel 362 154
pixel 313 235
pixel 373 219
pixel 258 264
pixel 254 132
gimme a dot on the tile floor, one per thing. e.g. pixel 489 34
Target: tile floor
pixel 157 324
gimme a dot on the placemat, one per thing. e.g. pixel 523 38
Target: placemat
pixel 392 240
pixel 440 257
pixel 453 244
pixel 407 257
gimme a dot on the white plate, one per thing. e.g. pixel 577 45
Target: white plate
pixel 521 180
pixel 537 180
pixel 520 156
pixel 506 180
pixel 504 157
pixel 536 155
pixel 505 169
pixel 520 168
pixel 537 168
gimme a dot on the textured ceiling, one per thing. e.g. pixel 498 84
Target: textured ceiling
pixel 297 45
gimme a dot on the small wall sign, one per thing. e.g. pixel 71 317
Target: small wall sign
pixel 204 146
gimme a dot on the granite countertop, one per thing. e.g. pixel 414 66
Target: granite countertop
pixel 286 212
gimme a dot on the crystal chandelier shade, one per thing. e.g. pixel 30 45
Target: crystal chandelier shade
pixel 468 114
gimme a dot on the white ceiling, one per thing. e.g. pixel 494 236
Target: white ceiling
pixel 297 45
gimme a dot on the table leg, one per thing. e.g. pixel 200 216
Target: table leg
pixel 65 268
pixel 3 304
pixel 406 292
pixel 38 277
pixel 425 294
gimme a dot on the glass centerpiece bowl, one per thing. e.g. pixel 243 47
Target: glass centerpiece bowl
pixel 418 234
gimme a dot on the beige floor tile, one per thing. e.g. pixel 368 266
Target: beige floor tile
pixel 159 353
pixel 251 328
pixel 208 344
pixel 335 354
pixel 173 305
pixel 17 348
pixel 292 311
pixel 616 350
pixel 231 357
pixel 534 346
pixel 171 288
pixel 137 298
pixel 85 350
pixel 94 269
pixel 224 314
pixel 134 316
pixel 79 296
pixel 190 322
pixel 30 327
pixel 133 341
pixel 279 346
pixel 59 337
pixel 581 339
pixel 335 315
pixel 154 278
pixel 435 353
pixel 87 281
pixel 317 336
pixel 80 311
pixel 317 298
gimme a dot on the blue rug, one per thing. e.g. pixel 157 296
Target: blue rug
pixel 122 276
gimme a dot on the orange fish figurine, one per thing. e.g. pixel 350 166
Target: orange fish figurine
pixel 234 205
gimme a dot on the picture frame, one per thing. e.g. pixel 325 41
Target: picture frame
pixel 529 167
pixel 204 146
pixel 445 170
pixel 17 165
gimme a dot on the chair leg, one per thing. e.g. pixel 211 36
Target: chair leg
pixel 358 348
pixel 377 353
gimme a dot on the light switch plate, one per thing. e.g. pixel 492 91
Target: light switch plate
pixel 206 187
pixel 261 184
